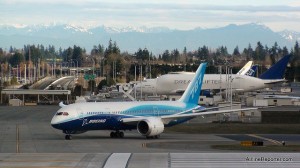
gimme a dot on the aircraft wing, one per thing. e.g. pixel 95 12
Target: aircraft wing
pixel 204 113
pixel 275 81
pixel 210 108
pixel 167 118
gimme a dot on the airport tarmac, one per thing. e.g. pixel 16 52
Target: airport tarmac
pixel 27 129
pixel 27 139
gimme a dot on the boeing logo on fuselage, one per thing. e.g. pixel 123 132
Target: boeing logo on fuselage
pixel 97 121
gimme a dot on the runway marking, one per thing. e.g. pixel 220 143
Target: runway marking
pixel 117 160
pixel 37 161
pixel 267 139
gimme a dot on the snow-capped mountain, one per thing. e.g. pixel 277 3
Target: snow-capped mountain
pixel 157 39
pixel 290 35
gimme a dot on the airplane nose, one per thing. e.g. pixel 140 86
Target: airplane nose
pixel 56 126
pixel 54 123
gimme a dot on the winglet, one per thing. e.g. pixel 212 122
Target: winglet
pixel 277 70
pixel 192 92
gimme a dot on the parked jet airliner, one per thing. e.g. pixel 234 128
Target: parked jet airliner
pixel 148 117
pixel 176 83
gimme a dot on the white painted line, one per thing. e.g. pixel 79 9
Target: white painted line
pixel 267 139
pixel 117 160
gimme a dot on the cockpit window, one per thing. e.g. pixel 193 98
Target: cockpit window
pixel 59 113
pixel 62 113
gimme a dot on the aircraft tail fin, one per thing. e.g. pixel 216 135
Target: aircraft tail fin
pixel 252 71
pixel 277 70
pixel 245 68
pixel 192 92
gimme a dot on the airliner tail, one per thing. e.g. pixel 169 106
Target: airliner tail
pixel 277 70
pixel 192 92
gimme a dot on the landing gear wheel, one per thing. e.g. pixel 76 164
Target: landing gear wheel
pixel 117 134
pixel 153 137
pixel 121 134
pixel 113 135
pixel 68 137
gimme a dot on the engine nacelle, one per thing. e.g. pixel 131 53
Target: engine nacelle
pixel 150 127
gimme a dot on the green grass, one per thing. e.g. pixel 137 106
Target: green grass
pixel 236 128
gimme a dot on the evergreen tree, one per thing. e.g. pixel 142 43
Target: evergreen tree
pixel 142 54
pixel 166 56
pixel 16 59
pixel 67 54
pixel 259 53
pixel 250 52
pixel 1 53
pixel 236 51
pixel 202 53
pixel 285 51
pixel 274 51
pixel 175 56
pixel 77 55
pixel 296 51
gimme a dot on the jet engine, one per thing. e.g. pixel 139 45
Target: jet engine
pixel 150 127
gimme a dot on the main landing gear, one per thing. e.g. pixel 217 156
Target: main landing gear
pixel 68 137
pixel 153 137
pixel 117 134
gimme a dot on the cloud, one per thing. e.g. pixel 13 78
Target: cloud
pixel 171 13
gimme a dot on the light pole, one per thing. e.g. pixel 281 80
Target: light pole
pixel 73 60
pixel 93 65
pixel 70 67
pixel 93 70
pixel 77 66
pixel 66 64
pixel 135 81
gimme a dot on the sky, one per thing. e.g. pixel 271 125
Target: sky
pixel 175 14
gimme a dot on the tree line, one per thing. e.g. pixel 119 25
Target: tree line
pixel 111 62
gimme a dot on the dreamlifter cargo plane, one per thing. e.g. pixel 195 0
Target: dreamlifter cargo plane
pixel 176 83
pixel 148 117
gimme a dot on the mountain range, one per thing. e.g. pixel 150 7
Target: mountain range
pixel 156 40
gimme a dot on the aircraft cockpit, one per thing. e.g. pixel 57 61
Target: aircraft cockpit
pixel 62 113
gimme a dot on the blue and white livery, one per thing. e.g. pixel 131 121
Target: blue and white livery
pixel 148 117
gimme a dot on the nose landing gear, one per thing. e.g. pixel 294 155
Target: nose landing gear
pixel 68 137
pixel 117 134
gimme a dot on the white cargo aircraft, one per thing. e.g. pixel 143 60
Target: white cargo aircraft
pixel 148 117
pixel 176 83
